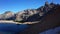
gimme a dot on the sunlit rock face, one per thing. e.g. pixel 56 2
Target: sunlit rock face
pixel 19 16
pixel 1 16
pixel 25 14
pixel 7 15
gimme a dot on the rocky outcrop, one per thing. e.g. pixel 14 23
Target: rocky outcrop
pixel 25 14
pixel 1 16
pixel 8 15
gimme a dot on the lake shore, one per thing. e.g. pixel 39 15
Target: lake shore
pixel 12 22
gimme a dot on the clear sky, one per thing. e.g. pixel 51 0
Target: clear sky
pixel 19 5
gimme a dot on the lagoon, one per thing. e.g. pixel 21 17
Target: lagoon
pixel 12 28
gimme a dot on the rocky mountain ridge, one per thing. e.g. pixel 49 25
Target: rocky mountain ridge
pixel 29 14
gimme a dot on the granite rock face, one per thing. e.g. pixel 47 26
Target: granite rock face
pixel 7 15
pixel 25 14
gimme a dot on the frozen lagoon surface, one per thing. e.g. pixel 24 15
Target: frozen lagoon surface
pixel 13 28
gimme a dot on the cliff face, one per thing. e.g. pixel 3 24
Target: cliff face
pixel 49 21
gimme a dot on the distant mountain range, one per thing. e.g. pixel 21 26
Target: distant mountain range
pixel 29 15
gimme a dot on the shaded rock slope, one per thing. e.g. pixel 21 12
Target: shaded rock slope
pixel 50 20
pixel 42 10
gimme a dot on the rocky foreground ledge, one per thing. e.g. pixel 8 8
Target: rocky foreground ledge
pixel 12 22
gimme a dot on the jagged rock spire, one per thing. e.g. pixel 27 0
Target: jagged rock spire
pixel 46 3
pixel 52 3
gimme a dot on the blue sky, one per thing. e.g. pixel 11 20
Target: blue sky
pixel 19 5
